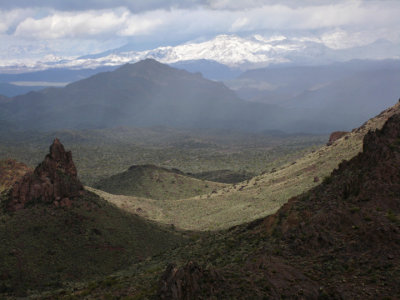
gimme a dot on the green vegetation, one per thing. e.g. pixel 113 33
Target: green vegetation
pixel 224 176
pixel 43 247
pixel 153 182
pixel 99 154
pixel 10 170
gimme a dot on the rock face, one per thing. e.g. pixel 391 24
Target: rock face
pixel 335 136
pixel 53 181
pixel 187 282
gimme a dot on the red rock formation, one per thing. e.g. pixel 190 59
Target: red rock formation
pixel 335 136
pixel 53 181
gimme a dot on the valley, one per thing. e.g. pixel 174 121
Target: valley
pixel 160 196
pixel 310 247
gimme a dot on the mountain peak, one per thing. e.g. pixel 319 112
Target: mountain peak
pixel 53 181
pixel 149 66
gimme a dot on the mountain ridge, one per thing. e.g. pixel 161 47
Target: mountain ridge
pixel 244 51
pixel 147 93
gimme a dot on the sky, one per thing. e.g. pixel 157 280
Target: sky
pixel 66 28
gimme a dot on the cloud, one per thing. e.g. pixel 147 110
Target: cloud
pixel 78 5
pixel 58 23
pixel 9 19
pixel 203 20
pixel 240 4
pixel 72 25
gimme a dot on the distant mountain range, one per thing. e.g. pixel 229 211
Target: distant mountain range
pixel 147 93
pixel 339 95
pixel 246 52
pixel 315 99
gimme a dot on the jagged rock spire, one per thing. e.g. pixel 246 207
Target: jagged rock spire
pixel 54 181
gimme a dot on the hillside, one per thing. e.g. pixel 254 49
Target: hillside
pixel 10 171
pixel 154 182
pixel 3 99
pixel 54 232
pixel 263 194
pixel 146 93
pixel 337 241
pixel 224 176
pixel 338 96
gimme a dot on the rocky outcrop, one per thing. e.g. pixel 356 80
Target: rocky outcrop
pixel 188 282
pixel 10 172
pixel 335 136
pixel 53 181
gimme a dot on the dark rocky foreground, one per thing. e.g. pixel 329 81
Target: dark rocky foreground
pixel 340 240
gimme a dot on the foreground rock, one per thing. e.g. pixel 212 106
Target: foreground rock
pixel 335 136
pixel 53 181
pixel 188 282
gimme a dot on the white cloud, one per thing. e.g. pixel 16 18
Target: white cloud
pixel 72 25
pixel 9 19
pixel 338 24
pixel 143 23
pixel 202 20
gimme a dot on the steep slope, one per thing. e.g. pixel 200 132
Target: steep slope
pixel 10 172
pixel 143 94
pixel 357 93
pixel 208 68
pixel 4 99
pixel 154 182
pixel 340 240
pixel 53 231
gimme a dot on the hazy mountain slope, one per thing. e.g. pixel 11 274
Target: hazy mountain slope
pixel 324 98
pixel 3 99
pixel 208 68
pixel 153 182
pixel 285 82
pixel 263 194
pixel 12 90
pixel 53 75
pixel 53 231
pixel 350 100
pixel 144 94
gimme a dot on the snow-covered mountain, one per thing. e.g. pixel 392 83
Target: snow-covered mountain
pixel 231 50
